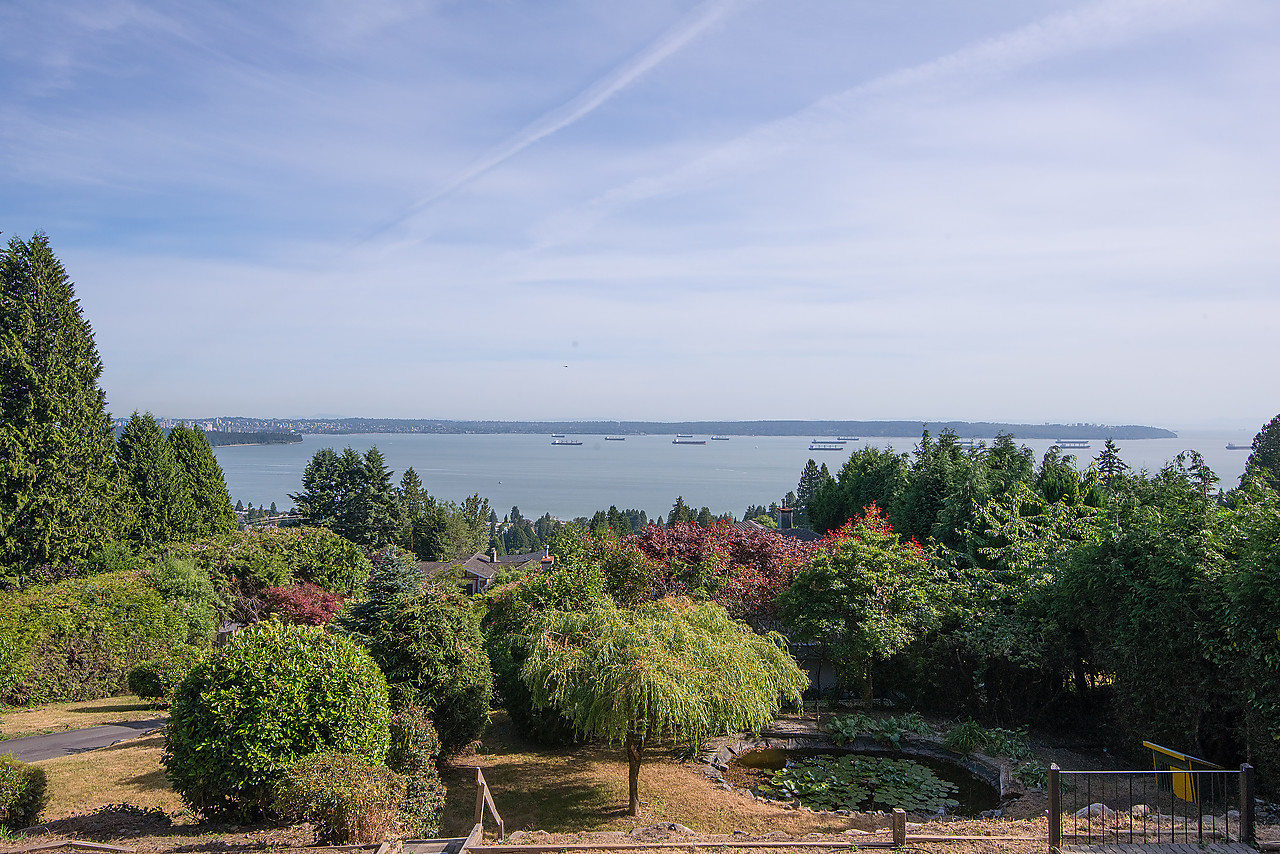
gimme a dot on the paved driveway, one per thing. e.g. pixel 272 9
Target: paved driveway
pixel 33 748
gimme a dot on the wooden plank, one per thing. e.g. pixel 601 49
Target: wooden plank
pixel 75 843
pixel 474 838
pixel 634 846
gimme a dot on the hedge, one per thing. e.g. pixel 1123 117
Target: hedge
pixel 77 639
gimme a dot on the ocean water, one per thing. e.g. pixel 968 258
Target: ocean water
pixel 642 473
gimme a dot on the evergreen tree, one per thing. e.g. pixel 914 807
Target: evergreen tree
pixel 239 506
pixel 321 493
pixel 159 505
pixel 1265 457
pixel 680 512
pixel 353 496
pixel 812 480
pixel 376 519
pixel 56 486
pixel 1109 464
pixel 211 503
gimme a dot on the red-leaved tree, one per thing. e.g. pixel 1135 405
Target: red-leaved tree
pixel 743 570
pixel 304 604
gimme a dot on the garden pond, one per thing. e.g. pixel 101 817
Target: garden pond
pixel 831 779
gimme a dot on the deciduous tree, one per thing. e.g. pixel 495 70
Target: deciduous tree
pixel 866 594
pixel 666 668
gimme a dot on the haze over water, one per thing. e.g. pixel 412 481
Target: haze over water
pixel 641 473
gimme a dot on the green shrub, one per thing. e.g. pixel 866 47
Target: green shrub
pixel 157 678
pixel 275 557
pixel 77 639
pixel 22 792
pixel 273 694
pixel 968 736
pixel 111 556
pixel 511 611
pixel 187 589
pixel 349 800
pixel 429 646
pixel 887 730
pixel 412 754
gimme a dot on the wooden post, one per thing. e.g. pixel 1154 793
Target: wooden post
pixel 1246 804
pixel 899 827
pixel 1055 808
pixel 480 787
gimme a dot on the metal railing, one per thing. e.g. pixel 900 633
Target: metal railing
pixel 1175 806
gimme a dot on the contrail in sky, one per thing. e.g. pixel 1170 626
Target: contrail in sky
pixel 1098 24
pixel 689 27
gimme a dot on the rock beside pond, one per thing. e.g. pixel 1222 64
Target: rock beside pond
pixel 1094 809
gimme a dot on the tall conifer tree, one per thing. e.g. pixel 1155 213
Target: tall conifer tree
pixel 1266 454
pixel 211 503
pixel 156 495
pixel 55 435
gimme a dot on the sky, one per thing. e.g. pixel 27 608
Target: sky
pixel 1005 210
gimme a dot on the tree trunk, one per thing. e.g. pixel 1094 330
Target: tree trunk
pixel 868 695
pixel 634 747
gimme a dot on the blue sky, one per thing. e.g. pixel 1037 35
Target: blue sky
pixel 661 209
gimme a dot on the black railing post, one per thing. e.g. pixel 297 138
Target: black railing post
pixel 1055 808
pixel 1246 804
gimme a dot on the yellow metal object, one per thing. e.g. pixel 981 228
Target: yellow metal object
pixel 1183 784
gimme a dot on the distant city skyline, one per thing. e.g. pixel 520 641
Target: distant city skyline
pixel 1049 211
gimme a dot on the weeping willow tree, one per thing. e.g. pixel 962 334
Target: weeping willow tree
pixel 665 668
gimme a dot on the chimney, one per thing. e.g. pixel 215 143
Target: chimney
pixel 493 555
pixel 784 518
pixel 548 562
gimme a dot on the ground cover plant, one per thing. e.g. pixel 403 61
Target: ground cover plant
pixel 861 783
pixel 889 729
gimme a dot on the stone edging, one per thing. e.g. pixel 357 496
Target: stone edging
pixel 719 752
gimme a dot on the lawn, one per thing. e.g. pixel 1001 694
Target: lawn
pixel 576 789
pixel 17 721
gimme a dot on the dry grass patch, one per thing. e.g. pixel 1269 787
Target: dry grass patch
pixel 16 722
pixel 583 788
pixel 129 772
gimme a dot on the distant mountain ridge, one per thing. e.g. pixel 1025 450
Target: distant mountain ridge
pixel 964 429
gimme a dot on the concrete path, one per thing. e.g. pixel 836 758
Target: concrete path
pixel 33 748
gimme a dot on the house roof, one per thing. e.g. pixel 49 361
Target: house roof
pixel 480 564
pixel 802 534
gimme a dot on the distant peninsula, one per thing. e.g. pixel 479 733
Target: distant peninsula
pixel 238 429
pixel 219 438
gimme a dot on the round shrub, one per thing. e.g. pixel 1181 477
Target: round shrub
pixel 349 800
pixel 22 792
pixel 413 753
pixel 274 693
